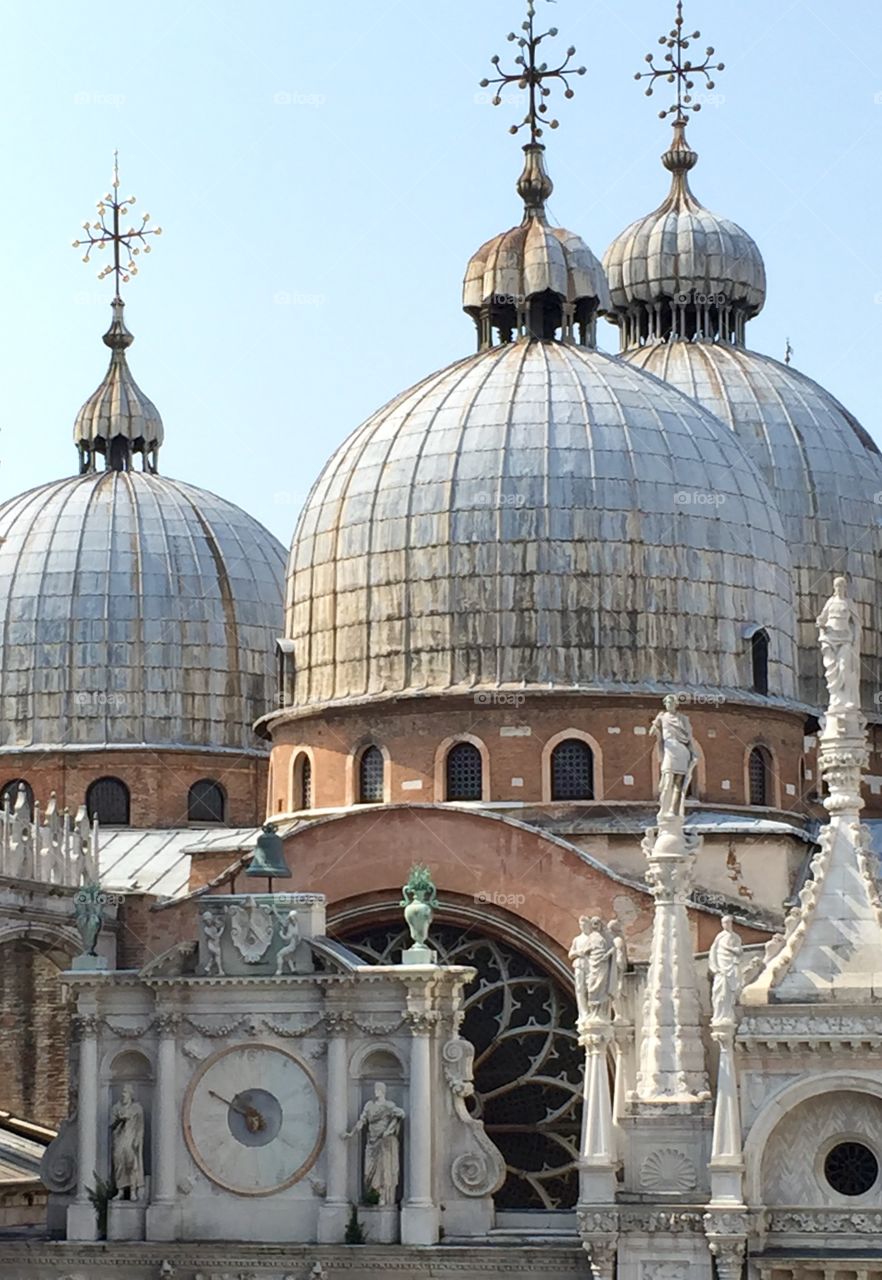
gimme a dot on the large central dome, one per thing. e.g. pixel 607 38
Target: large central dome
pixel 538 515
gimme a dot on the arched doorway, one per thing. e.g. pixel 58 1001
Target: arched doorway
pixel 528 1065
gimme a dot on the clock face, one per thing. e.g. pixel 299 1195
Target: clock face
pixel 254 1119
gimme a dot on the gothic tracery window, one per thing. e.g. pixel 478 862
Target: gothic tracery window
pixel 528 1066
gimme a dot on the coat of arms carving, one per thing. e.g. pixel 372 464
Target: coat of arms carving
pixel 251 929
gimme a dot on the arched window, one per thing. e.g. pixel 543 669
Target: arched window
pixel 759 776
pixel 465 772
pixel 572 770
pixel 302 798
pixel 107 799
pixel 371 776
pixel 759 657
pixel 205 801
pixel 11 792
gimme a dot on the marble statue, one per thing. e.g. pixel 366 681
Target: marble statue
pixel 619 963
pixel 382 1119
pixel 419 899
pixel 289 932
pixel 593 954
pixel 840 635
pixel 89 915
pixel 724 962
pixel 127 1142
pixel 679 757
pixel 213 927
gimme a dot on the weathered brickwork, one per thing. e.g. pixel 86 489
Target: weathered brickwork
pixel 34 1038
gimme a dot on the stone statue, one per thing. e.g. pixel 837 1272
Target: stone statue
pixel 419 899
pixel 679 758
pixel 619 963
pixel 839 628
pixel 89 916
pixel 212 928
pixel 724 962
pixel 593 954
pixel 289 932
pixel 127 1141
pixel 382 1119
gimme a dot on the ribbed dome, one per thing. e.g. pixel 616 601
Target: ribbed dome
pixel 683 271
pixel 824 471
pixel 135 610
pixel 537 515
pixel 534 277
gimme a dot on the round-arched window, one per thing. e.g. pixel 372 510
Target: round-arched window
pixel 302 797
pixel 9 796
pixel 465 772
pixel 572 770
pixel 371 776
pixel 206 801
pixel 107 799
pixel 759 777
pixel 528 1065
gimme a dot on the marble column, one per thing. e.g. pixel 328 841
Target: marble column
pixel 420 1216
pixel 162 1213
pixel 597 1178
pixel 726 1164
pixel 672 1065
pixel 82 1223
pixel 335 1209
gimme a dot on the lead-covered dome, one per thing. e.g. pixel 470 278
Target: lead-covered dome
pixel 135 609
pixel 683 271
pixel 824 472
pixel 538 515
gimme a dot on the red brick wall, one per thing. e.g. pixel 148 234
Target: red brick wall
pixel 33 1042
pixel 158 781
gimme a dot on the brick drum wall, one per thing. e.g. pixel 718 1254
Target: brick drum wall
pixel 33 1042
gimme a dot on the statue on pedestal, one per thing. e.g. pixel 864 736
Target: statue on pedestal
pixel 89 916
pixel 213 924
pixel 382 1119
pixel 619 964
pixel 127 1142
pixel 839 626
pixel 679 758
pixel 593 953
pixel 289 932
pixel 724 962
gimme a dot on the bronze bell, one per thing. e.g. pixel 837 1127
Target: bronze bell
pixel 268 861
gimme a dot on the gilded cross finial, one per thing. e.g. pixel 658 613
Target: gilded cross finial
pixel 679 69
pixel 127 244
pixel 533 75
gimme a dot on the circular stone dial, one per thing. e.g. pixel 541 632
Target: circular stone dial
pixel 254 1119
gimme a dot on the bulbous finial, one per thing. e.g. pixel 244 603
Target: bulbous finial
pixel 534 184
pixel 117 336
pixel 680 158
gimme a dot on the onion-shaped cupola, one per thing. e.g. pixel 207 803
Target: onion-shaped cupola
pixel 534 280
pixel 118 421
pixel 683 272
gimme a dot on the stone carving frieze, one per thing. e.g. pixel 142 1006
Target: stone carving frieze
pixel 598 1221
pixel 819 1222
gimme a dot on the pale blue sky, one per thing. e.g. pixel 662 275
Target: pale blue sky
pixel 322 173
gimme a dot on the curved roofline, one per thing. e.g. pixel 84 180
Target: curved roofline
pixel 731 697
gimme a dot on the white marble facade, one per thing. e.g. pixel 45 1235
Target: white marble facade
pixel 247 1083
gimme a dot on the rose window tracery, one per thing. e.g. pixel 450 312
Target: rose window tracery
pixel 528 1067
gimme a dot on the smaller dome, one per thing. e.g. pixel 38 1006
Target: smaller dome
pixel 118 420
pixel 534 278
pixel 682 271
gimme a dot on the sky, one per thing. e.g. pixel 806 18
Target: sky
pixel 322 173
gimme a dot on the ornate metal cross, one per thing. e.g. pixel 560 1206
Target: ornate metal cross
pixel 130 242
pixel 532 76
pixel 680 69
